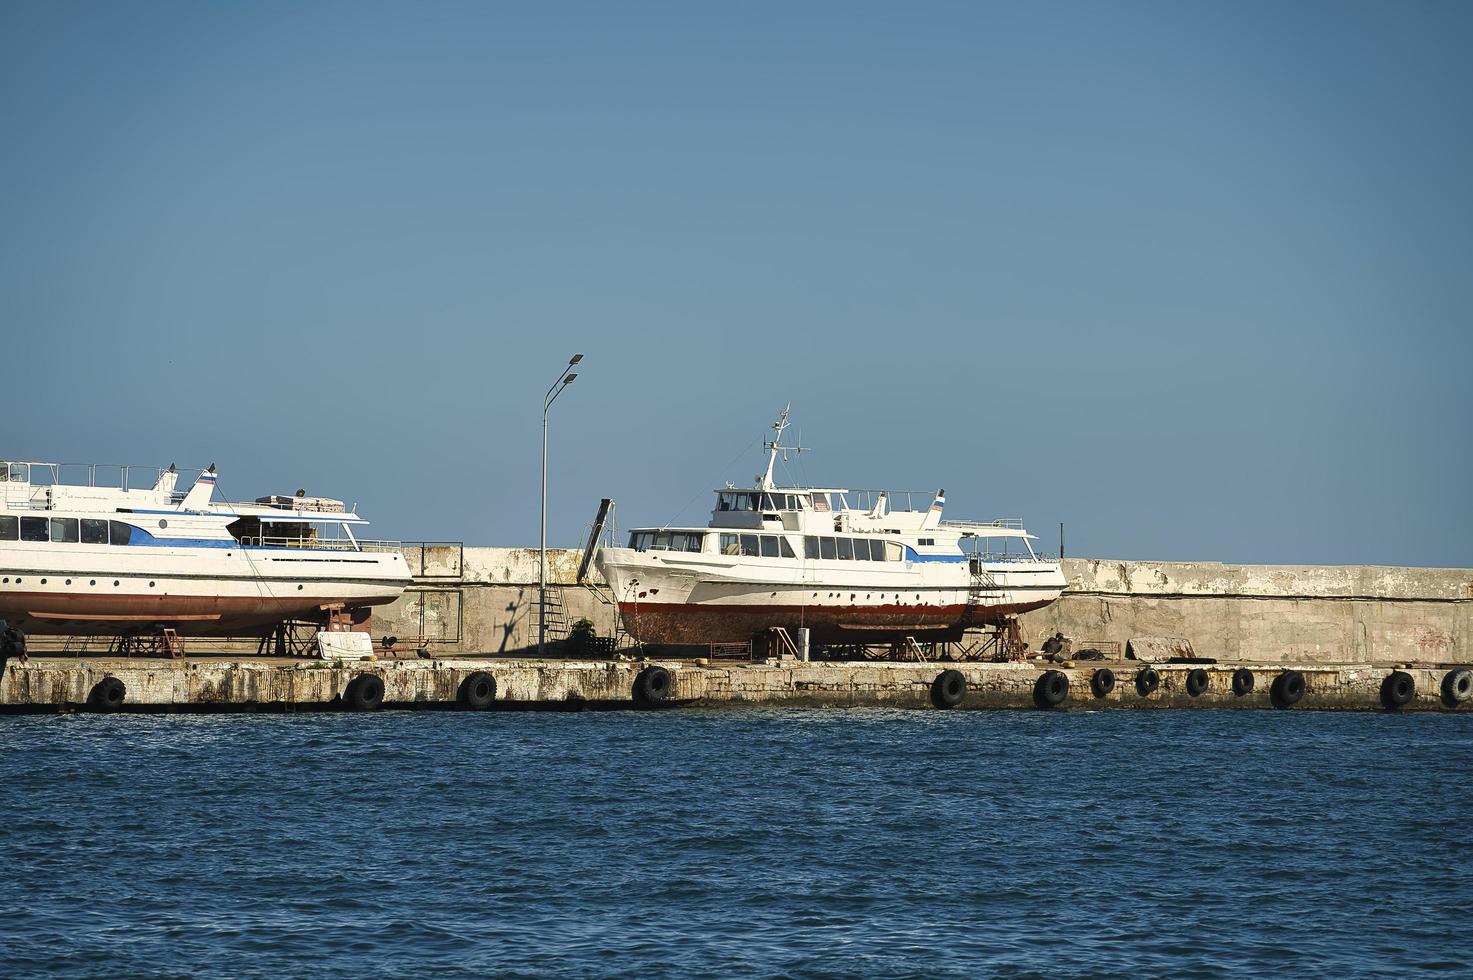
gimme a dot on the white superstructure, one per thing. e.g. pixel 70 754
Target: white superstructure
pixel 78 558
pixel 851 566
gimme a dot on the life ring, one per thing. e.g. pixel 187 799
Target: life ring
pixel 948 689
pixel 1051 688
pixel 477 692
pixel 1102 682
pixel 1287 689
pixel 365 693
pixel 1397 690
pixel 1242 681
pixel 1146 681
pixel 107 695
pixel 1197 682
pixel 1457 685
pixel 652 686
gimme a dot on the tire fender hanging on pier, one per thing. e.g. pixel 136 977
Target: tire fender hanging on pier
pixel 365 693
pixel 1102 682
pixel 1146 681
pixel 477 692
pixel 1051 688
pixel 1242 681
pixel 652 686
pixel 1197 682
pixel 107 695
pixel 1287 689
pixel 1397 690
pixel 949 689
pixel 1457 686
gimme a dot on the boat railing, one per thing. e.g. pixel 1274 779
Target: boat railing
pixel 319 544
pixel 121 476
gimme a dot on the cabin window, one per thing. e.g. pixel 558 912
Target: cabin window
pixel 4 472
pixel 926 541
pixel 641 540
pixel 893 551
pixel 34 529
pixel 686 541
pixel 94 531
pixel 864 549
pixel 826 547
pixel 730 545
pixel 750 547
pixel 9 528
pixel 785 549
pixel 810 547
pixel 119 533
pixel 769 546
pixel 20 472
pixel 662 541
pixel 846 549
pixel 64 530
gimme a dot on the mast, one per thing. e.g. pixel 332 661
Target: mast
pixel 764 480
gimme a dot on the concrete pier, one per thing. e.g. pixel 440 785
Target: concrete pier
pixel 260 684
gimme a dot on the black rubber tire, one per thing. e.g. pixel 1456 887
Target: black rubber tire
pixel 1397 690
pixel 365 693
pixel 1287 689
pixel 949 689
pixel 1457 686
pixel 652 686
pixel 1051 689
pixel 107 695
pixel 1102 682
pixel 1146 681
pixel 12 641
pixel 477 692
pixel 1243 681
pixel 1197 682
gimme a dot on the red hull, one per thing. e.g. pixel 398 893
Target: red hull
pixel 53 614
pixel 705 623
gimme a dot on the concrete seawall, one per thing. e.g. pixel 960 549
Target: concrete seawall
pixel 484 600
pixel 64 685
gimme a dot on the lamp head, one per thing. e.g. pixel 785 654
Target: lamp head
pixel 569 379
pixel 575 360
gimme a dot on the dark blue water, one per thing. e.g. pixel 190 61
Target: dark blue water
pixel 800 843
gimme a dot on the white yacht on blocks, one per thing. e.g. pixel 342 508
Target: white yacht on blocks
pixel 85 559
pixel 852 566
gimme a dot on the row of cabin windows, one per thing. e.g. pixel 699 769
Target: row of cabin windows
pixel 853 549
pixel 756 546
pixel 736 500
pixel 666 540
pixel 64 530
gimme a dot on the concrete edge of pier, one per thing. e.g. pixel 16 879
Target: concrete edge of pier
pixel 222 685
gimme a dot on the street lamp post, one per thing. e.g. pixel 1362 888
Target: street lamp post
pixel 564 378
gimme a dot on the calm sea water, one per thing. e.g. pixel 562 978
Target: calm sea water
pixel 800 843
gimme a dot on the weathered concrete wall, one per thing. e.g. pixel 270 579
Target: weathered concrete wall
pixel 1296 613
pixel 485 601
pixel 67 684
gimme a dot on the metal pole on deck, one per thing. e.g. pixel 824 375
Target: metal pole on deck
pixel 564 379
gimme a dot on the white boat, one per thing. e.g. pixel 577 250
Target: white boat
pixel 851 566
pixel 78 558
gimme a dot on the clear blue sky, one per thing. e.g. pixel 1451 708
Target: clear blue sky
pixel 1194 278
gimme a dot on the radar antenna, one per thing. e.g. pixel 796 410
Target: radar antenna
pixel 764 480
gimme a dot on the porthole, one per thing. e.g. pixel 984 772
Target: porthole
pixel 93 582
pixel 68 581
pixel 115 583
pixel 163 523
pixel 43 581
pixel 7 581
pixel 299 588
pixel 150 585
